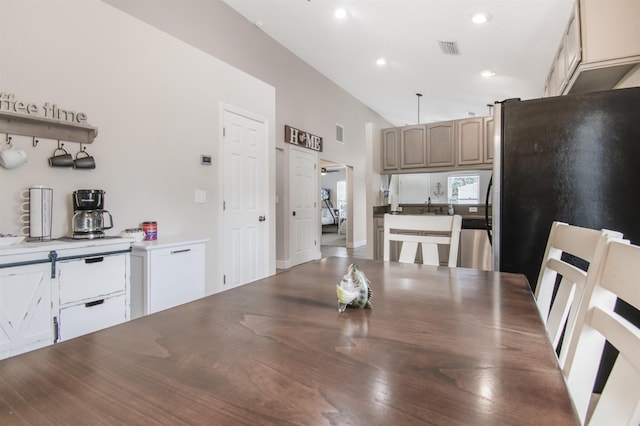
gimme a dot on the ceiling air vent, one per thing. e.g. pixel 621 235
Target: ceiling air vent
pixel 449 47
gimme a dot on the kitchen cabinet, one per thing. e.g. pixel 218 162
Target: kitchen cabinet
pixel 488 139
pixel 390 149
pixel 92 293
pixel 166 274
pixel 413 147
pixel 441 144
pixel 55 290
pixel 470 141
pixel 465 144
pixel 26 312
pixel 598 47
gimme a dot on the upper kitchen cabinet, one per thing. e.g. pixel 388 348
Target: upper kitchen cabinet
pixel 413 147
pixel 470 138
pixel 487 123
pixel 390 149
pixel 441 144
pixel 599 46
pixel 447 145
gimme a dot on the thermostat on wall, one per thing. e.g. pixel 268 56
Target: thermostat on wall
pixel 206 160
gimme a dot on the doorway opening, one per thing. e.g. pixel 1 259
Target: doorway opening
pixel 334 205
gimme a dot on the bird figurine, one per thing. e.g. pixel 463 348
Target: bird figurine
pixel 354 289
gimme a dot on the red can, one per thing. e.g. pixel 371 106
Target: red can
pixel 150 231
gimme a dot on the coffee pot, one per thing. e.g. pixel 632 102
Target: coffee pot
pixel 89 218
pixel 91 223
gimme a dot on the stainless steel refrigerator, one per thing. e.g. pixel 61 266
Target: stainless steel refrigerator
pixel 573 158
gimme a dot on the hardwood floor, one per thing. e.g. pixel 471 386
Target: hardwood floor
pixel 359 253
pixel 329 251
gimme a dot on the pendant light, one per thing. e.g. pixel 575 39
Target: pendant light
pixel 419 95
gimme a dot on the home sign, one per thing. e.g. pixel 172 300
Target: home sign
pixel 301 138
pixel 9 103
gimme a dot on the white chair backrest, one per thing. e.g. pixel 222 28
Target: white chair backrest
pixel 428 231
pixel 583 243
pixel 617 276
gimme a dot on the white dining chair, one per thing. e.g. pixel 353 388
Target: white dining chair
pixel 617 277
pixel 558 301
pixel 427 231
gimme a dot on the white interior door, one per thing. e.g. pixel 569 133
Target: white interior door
pixel 246 235
pixel 304 196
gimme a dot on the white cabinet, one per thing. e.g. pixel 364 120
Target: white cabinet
pixel 56 290
pixel 92 293
pixel 26 319
pixel 83 318
pixel 166 274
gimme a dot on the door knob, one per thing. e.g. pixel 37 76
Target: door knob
pixel 262 218
pixel 294 213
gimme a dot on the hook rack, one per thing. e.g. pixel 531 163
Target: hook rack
pixel 35 126
pixel 8 138
pixel 34 141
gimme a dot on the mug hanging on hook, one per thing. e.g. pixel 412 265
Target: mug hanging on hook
pixel 10 158
pixel 84 160
pixel 60 157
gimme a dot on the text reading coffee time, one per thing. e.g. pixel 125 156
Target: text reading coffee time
pixel 9 103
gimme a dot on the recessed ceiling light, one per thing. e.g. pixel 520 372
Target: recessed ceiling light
pixel 381 62
pixel 480 18
pixel 340 13
pixel 487 73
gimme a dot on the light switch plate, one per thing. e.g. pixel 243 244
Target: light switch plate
pixel 473 210
pixel 200 196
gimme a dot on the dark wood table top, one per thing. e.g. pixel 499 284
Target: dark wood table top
pixel 440 346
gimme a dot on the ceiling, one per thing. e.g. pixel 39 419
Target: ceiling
pixel 518 43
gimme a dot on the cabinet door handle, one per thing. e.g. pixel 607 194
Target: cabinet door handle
pixel 94 303
pixel 94 259
pixel 180 251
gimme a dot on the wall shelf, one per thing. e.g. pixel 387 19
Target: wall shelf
pixel 40 127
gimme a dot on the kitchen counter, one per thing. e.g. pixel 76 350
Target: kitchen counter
pixel 35 251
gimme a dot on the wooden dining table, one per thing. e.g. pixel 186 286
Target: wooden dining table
pixel 441 346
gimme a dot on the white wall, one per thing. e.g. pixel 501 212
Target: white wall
pixel 155 100
pixel 305 99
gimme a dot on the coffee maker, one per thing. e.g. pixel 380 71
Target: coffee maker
pixel 89 214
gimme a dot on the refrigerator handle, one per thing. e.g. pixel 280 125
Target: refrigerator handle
pixel 486 210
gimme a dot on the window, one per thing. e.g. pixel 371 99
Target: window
pixel 464 189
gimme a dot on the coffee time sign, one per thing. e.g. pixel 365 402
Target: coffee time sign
pixel 9 103
pixel 301 138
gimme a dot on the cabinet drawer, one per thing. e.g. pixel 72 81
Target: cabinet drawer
pixel 89 317
pixel 91 277
pixel 176 276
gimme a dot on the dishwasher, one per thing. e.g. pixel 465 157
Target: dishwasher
pixel 475 248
